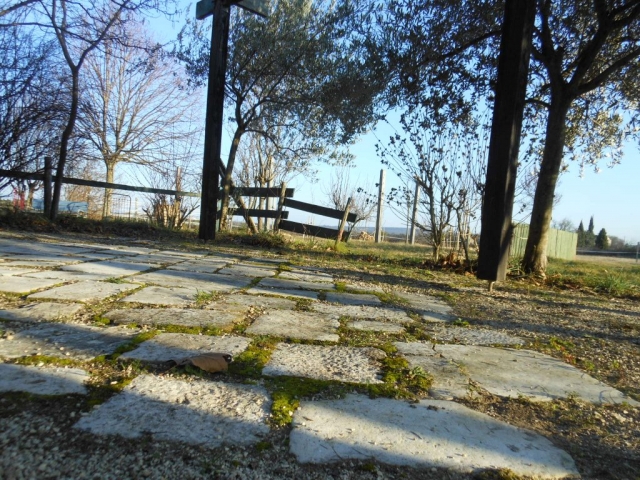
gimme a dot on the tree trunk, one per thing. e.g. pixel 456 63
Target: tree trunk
pixel 228 178
pixel 64 141
pixel 535 255
pixel 106 206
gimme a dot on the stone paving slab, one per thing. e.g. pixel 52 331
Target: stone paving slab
pixel 255 301
pixel 341 364
pixel 202 281
pixel 448 381
pixel 245 270
pixel 81 342
pixel 154 259
pixel 111 268
pixel 10 271
pixel 471 336
pixel 128 250
pixel 24 285
pixel 178 346
pixel 293 324
pixel 375 326
pixel 301 294
pixel 42 260
pixel 388 314
pixel 222 315
pixel 283 284
pixel 21 247
pixel 64 276
pixel 364 287
pixel 515 373
pixel 198 266
pixel 431 433
pixel 84 291
pixel 42 380
pixel 42 312
pixel 267 261
pixel 430 308
pixel 170 296
pixel 353 299
pixel 207 413
pixel 306 276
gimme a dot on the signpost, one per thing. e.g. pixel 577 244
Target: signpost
pixel 215 104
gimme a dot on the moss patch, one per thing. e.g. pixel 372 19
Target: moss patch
pixel 251 362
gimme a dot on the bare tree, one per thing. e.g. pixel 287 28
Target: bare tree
pixel 134 105
pixel 341 188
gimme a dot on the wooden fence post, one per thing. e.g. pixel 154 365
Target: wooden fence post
pixel 414 214
pixel 283 191
pixel 342 222
pixel 47 185
pixel 380 202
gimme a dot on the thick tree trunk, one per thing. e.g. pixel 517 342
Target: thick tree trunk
pixel 64 142
pixel 106 206
pixel 228 178
pixel 535 255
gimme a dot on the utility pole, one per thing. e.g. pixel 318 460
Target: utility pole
pixel 378 238
pixel 414 214
pixel 497 206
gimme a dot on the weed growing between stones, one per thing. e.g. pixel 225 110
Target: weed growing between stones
pixel 250 363
pixel 132 344
pixel 203 297
pixel 287 392
pixel 116 280
pixel 210 331
pixel 41 360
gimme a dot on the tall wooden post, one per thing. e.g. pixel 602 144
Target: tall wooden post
pixel 378 237
pixel 414 214
pixel 213 122
pixel 47 185
pixel 497 207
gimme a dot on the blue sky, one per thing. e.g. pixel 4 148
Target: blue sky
pixel 611 196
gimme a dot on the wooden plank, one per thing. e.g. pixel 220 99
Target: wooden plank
pixel 306 229
pixel 255 212
pixel 260 192
pixel 92 183
pixel 318 210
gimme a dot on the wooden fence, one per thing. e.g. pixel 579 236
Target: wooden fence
pixel 561 244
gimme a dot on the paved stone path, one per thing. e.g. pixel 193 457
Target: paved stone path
pixel 306 318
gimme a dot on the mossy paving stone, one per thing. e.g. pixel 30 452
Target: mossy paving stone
pixel 81 342
pixel 42 312
pixel 430 433
pixel 363 312
pixel 301 294
pixel 219 315
pixel 111 268
pixel 191 411
pixel 169 296
pixel 42 380
pixel 283 284
pixel 179 346
pixel 337 363
pixel 202 281
pixel 84 291
pixel 353 299
pixel 299 325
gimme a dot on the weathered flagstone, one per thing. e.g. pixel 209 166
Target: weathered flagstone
pixel 170 296
pixel 431 433
pixel 471 336
pixel 363 312
pixel 375 326
pixel 267 261
pixel 301 294
pixel 221 315
pixel 65 340
pixel 199 266
pixel 111 268
pixel 256 301
pixel 247 270
pixel 202 281
pixel 306 276
pixel 207 413
pixel 353 299
pixel 341 364
pixel 294 284
pixel 293 324
pixel 10 271
pixel 25 284
pixel 42 380
pixel 178 346
pixel 515 373
pixel 154 259
pixel 126 250
pixel 364 287
pixel 42 312
pixel 41 260
pixel 448 381
pixel 64 276
pixel 19 247
pixel 431 309
pixel 84 291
